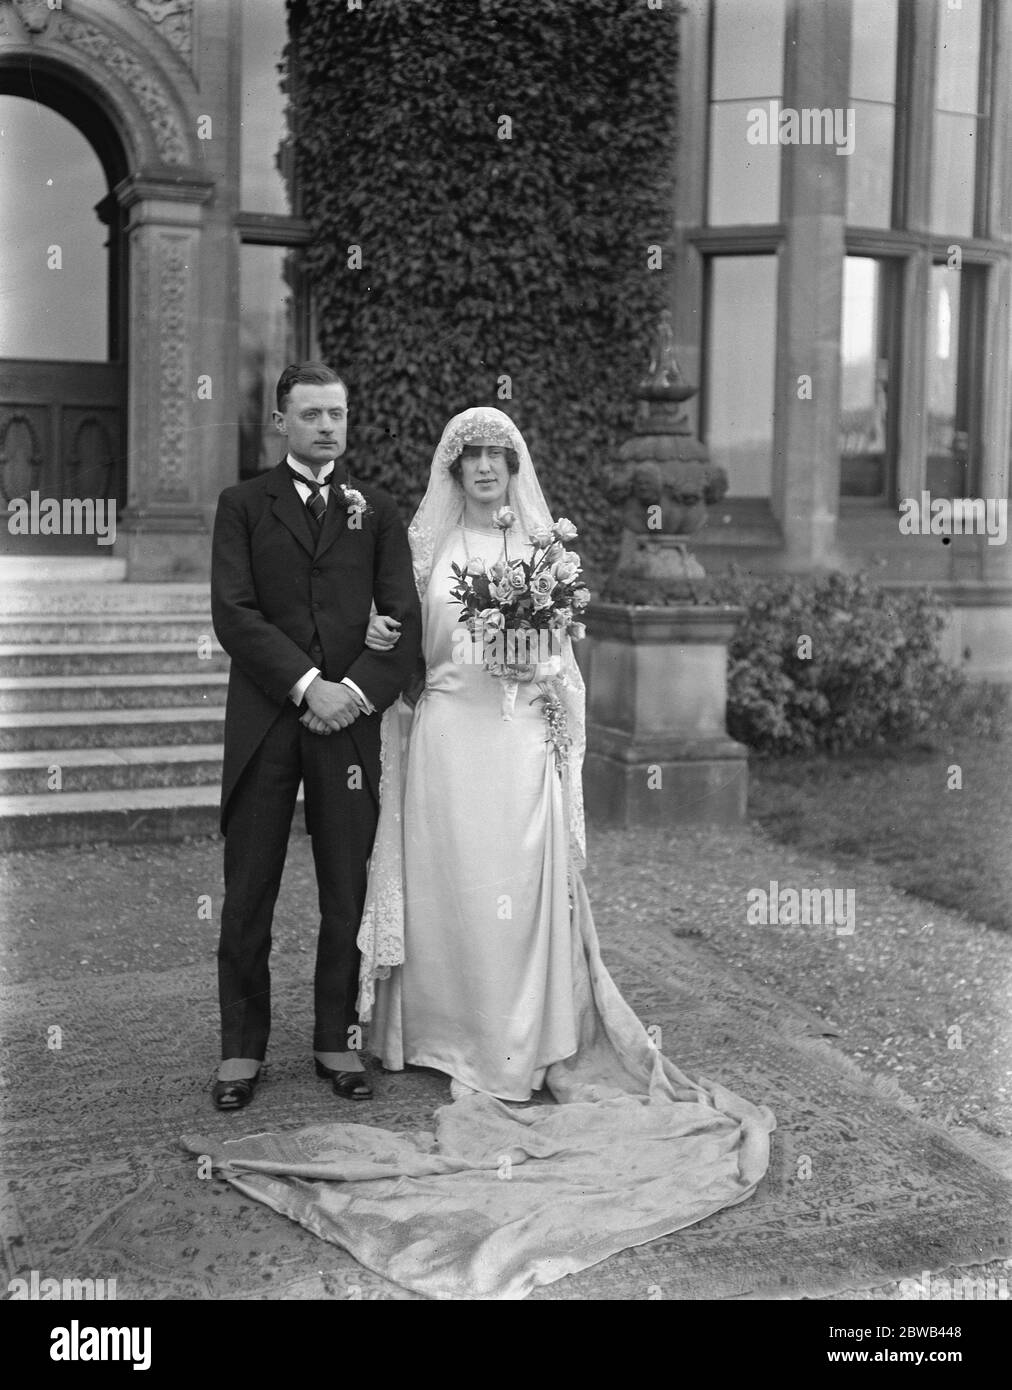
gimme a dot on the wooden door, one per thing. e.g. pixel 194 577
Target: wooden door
pixel 62 436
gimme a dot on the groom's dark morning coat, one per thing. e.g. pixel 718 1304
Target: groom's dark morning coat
pixel 273 586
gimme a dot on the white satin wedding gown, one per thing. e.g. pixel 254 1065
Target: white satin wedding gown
pixel 486 990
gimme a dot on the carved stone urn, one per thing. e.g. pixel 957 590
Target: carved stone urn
pixel 663 481
pixel 658 751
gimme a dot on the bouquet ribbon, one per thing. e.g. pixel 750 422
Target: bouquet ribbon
pixel 509 698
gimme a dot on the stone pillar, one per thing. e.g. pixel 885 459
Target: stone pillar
pixel 218 68
pixel 996 411
pixel 915 171
pixel 809 310
pixel 162 534
pixel 658 751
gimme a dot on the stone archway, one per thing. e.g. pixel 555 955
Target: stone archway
pixel 126 72
pixel 64 343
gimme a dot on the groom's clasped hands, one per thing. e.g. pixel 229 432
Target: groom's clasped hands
pixel 331 704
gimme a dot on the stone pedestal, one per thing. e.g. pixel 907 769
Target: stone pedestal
pixel 658 752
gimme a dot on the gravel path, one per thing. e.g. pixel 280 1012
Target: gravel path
pixel 916 995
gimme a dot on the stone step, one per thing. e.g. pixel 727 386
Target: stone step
pixel 92 629
pixel 109 658
pixel 109 769
pixel 20 571
pixel 120 817
pixel 23 694
pixel 57 599
pixel 118 728
pixel 115 690
pixel 130 816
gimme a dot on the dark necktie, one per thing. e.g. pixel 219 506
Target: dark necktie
pixel 315 504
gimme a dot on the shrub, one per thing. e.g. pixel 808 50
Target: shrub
pixel 980 709
pixel 874 674
pixel 485 257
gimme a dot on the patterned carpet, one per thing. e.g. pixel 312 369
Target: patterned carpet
pixel 858 1191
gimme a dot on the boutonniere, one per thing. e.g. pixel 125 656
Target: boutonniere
pixel 354 501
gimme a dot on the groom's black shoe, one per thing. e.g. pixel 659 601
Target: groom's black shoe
pixel 233 1095
pixel 352 1085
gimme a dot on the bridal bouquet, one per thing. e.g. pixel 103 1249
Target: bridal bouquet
pixel 518 610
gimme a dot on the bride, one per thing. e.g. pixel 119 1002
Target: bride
pixel 485 992
pixel 480 959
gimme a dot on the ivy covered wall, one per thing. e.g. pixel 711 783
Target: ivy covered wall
pixel 504 168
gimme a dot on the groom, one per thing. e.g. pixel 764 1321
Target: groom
pixel 299 557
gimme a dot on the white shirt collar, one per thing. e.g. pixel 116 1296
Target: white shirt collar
pixel 306 472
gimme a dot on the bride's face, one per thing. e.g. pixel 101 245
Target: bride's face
pixel 484 474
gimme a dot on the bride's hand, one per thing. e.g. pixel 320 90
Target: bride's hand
pixel 522 674
pixel 382 634
pixel 548 670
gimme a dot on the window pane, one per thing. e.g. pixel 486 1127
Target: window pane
pixel 739 370
pixel 870 167
pixel 50 183
pixel 262 187
pixel 872 94
pixel 953 167
pixel 958 53
pixel 873 50
pixel 744 178
pixel 947 444
pixel 268 341
pixel 957 127
pixel 748 49
pixel 864 381
pixel 748 65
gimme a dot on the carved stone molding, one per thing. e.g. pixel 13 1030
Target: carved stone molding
pixel 137 188
pixel 173 413
pixel 173 19
pixel 150 94
pixel 34 14
pixel 140 439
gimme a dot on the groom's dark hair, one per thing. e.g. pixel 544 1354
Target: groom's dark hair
pixel 306 374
